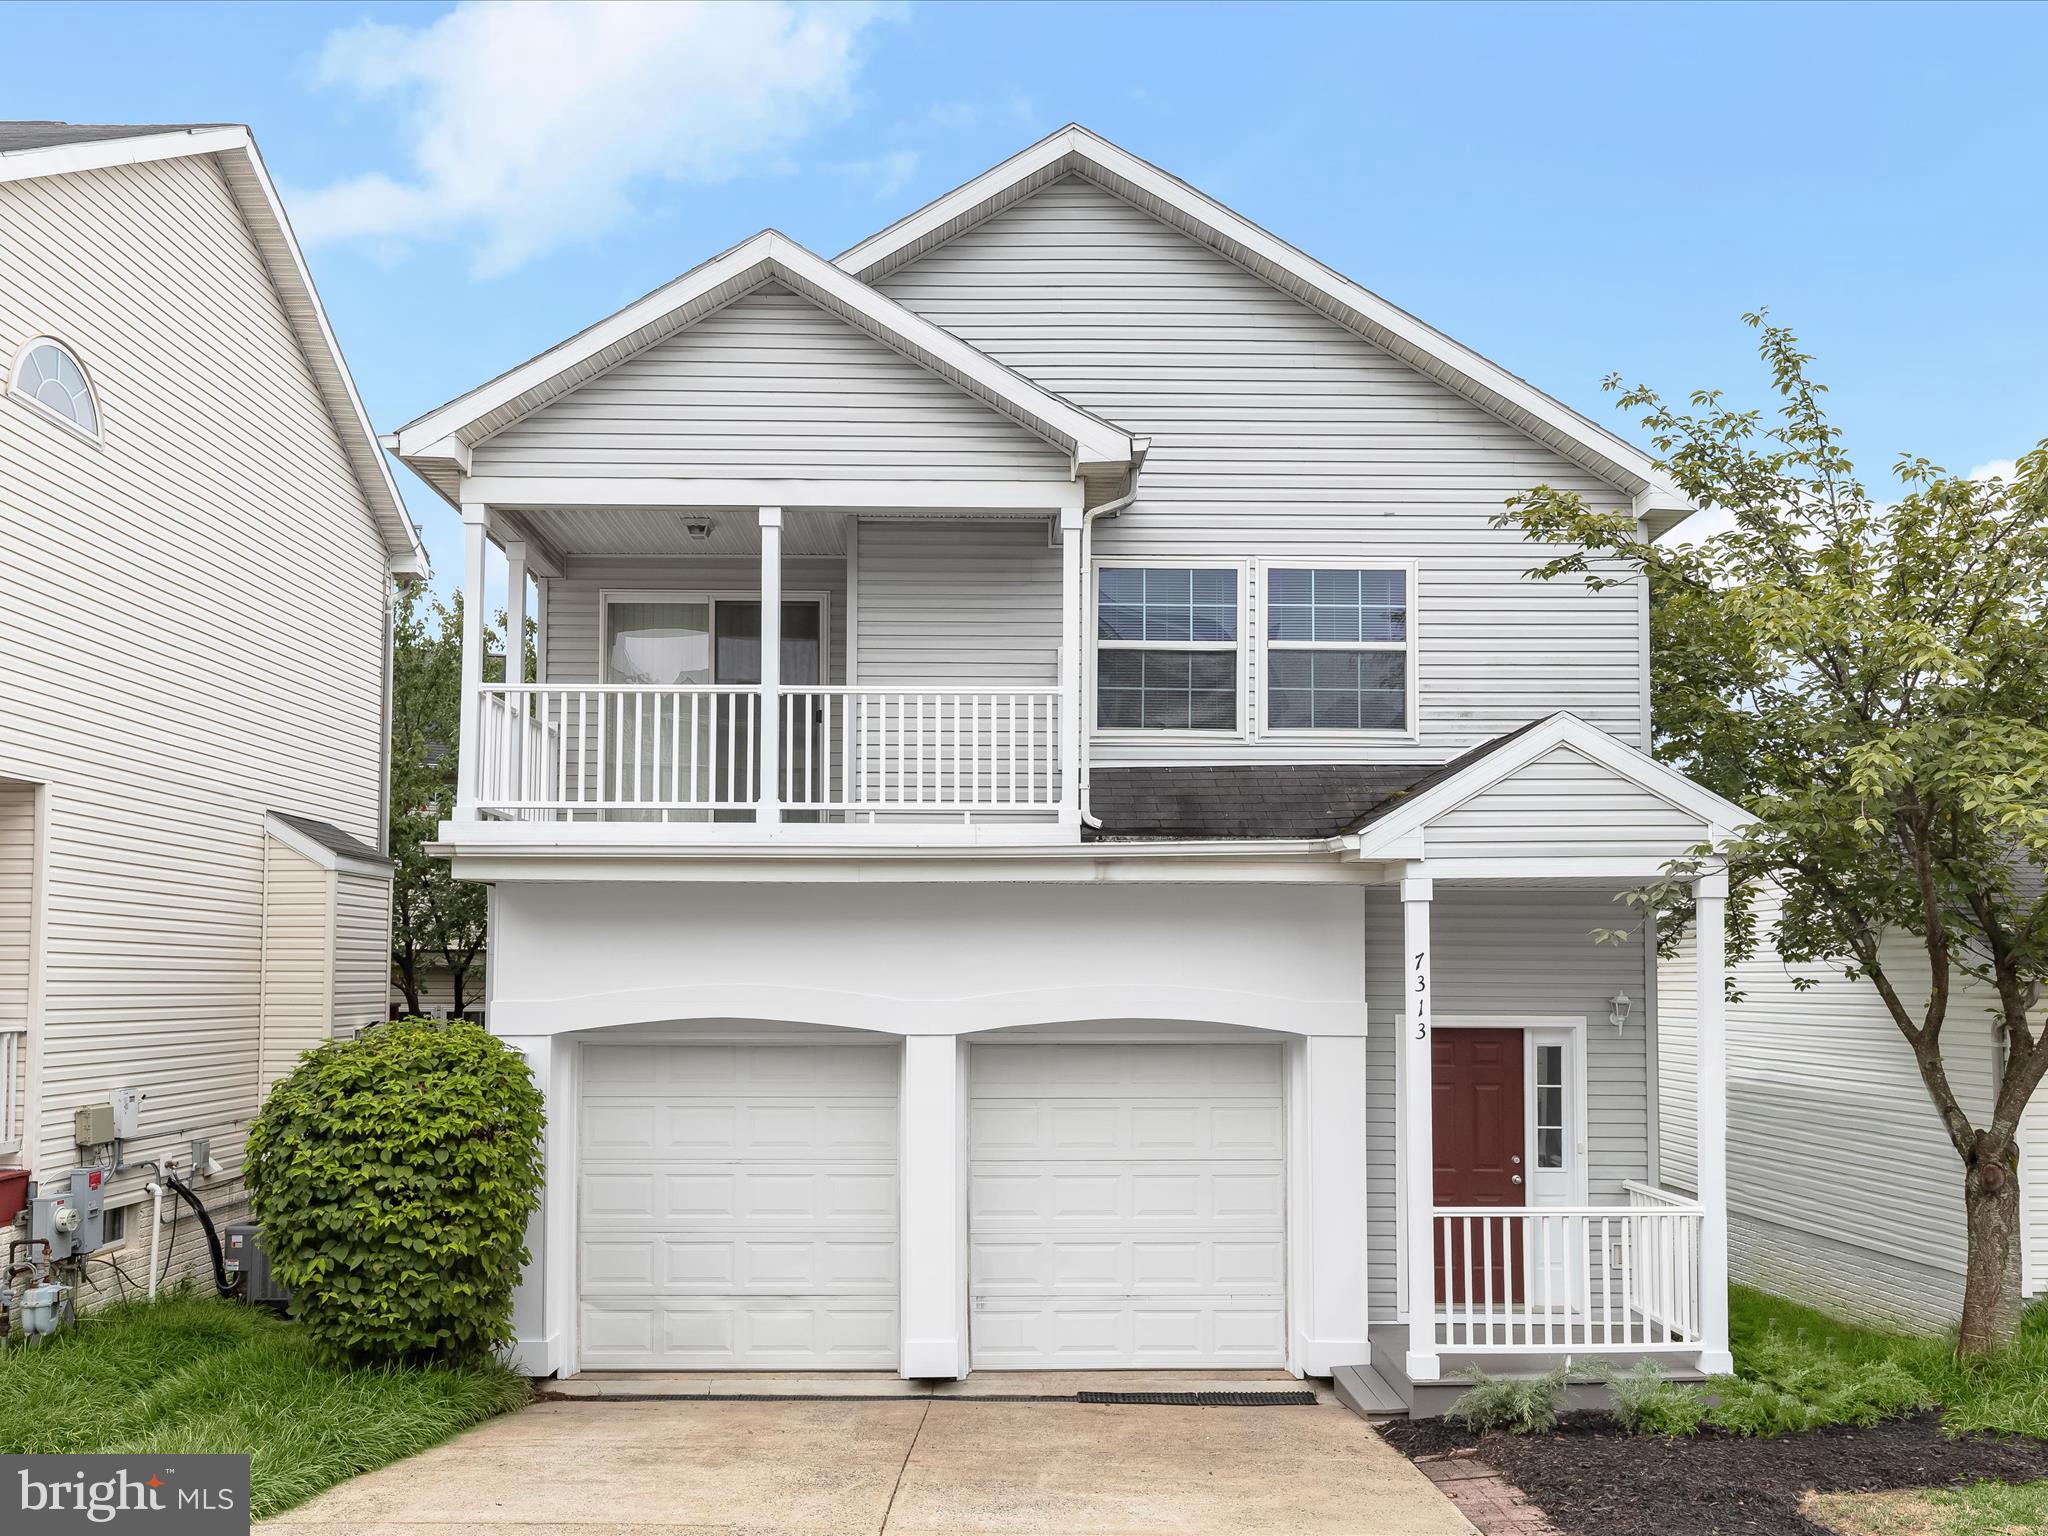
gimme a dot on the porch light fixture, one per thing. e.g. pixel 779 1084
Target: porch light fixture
pixel 1617 1015
pixel 698 528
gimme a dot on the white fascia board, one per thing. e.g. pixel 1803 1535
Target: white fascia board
pixel 1094 443
pixel 1465 370
pixel 1393 835
pixel 1034 498
pixel 256 196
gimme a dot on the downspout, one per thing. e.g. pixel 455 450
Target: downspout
pixel 384 712
pixel 1107 509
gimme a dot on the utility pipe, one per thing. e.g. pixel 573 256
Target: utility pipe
pixel 156 1227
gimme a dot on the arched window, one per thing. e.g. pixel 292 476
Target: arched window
pixel 50 376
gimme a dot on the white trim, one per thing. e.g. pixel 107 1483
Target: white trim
pixel 322 855
pixel 1242 731
pixel 97 437
pixel 1411 648
pixel 1074 149
pixel 899 498
pixel 1717 815
pixel 767 256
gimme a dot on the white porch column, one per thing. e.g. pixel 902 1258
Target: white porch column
pixel 517 706
pixel 933 1290
pixel 476 522
pixel 1418 1138
pixel 1073 729
pixel 546 1290
pixel 1710 897
pixel 1327 1133
pixel 769 807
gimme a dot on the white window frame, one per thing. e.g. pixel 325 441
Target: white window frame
pixel 16 393
pixel 1243 731
pixel 1412 729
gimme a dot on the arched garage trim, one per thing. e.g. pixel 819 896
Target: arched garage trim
pixel 973 1014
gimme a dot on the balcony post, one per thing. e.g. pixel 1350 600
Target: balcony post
pixel 768 758
pixel 1710 900
pixel 1418 1140
pixel 517 706
pixel 1072 730
pixel 476 522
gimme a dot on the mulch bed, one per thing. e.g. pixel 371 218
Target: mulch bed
pixel 1591 1479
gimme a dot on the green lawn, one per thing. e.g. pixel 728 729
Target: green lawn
pixel 1777 1340
pixel 190 1374
pixel 1984 1509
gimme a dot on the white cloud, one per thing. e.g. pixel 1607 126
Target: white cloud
pixel 2007 470
pixel 530 121
pixel 885 175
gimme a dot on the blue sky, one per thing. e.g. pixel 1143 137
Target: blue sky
pixel 1569 189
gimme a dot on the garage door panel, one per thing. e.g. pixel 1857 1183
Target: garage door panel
pixel 744 1231
pixel 1084 1335
pixel 1220 1195
pixel 1083 1130
pixel 1190 1264
pixel 1126 1206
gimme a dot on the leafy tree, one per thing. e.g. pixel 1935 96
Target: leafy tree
pixel 434 916
pixel 1869 679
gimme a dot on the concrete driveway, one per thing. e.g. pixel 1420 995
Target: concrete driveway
pixel 922 1464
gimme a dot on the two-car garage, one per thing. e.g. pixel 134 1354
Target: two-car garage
pixel 738 1205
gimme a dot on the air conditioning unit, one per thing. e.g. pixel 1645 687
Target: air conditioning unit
pixel 242 1242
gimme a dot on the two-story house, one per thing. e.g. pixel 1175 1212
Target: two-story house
pixel 1052 831
pixel 198 540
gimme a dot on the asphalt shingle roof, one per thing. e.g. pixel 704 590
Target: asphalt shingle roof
pixel 330 837
pixel 47 134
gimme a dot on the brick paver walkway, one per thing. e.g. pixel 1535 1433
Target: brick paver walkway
pixel 1492 1503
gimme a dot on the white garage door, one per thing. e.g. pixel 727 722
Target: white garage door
pixel 1127 1206
pixel 737 1206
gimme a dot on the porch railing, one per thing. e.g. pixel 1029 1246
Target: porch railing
pixel 13 1068
pixel 629 752
pixel 1550 1279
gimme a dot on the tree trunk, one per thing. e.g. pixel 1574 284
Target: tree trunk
pixel 410 986
pixel 1991 1284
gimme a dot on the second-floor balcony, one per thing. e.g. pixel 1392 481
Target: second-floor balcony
pixel 698 753
pixel 823 672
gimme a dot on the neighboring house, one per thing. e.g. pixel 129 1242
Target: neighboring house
pixel 199 539
pixel 1053 831
pixel 1844 1190
pixel 437 990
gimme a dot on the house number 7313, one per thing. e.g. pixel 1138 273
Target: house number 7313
pixel 1421 997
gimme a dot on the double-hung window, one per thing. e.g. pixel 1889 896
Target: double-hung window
pixel 1338 648
pixel 1167 648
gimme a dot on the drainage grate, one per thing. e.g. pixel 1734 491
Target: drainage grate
pixel 1204 1399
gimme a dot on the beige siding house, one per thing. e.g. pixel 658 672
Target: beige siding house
pixel 1052 831
pixel 195 569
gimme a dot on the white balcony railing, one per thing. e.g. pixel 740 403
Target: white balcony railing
pixel 13 1068
pixel 631 753
pixel 1543 1280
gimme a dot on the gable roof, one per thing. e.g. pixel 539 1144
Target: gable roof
pixel 35 149
pixel 1073 150
pixel 437 444
pixel 1384 826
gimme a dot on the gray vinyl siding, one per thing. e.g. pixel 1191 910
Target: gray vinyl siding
pixel 1564 805
pixel 1833 1143
pixel 770 387
pixel 17 939
pixel 1501 953
pixel 191 634
pixel 298 968
pixel 950 603
pixel 362 952
pixel 1278 434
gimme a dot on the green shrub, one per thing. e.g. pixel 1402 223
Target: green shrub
pixel 393 1175
pixel 1515 1405
pixel 1647 1404
pixel 1794 1383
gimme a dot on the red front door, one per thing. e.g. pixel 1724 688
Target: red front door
pixel 1478 1126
